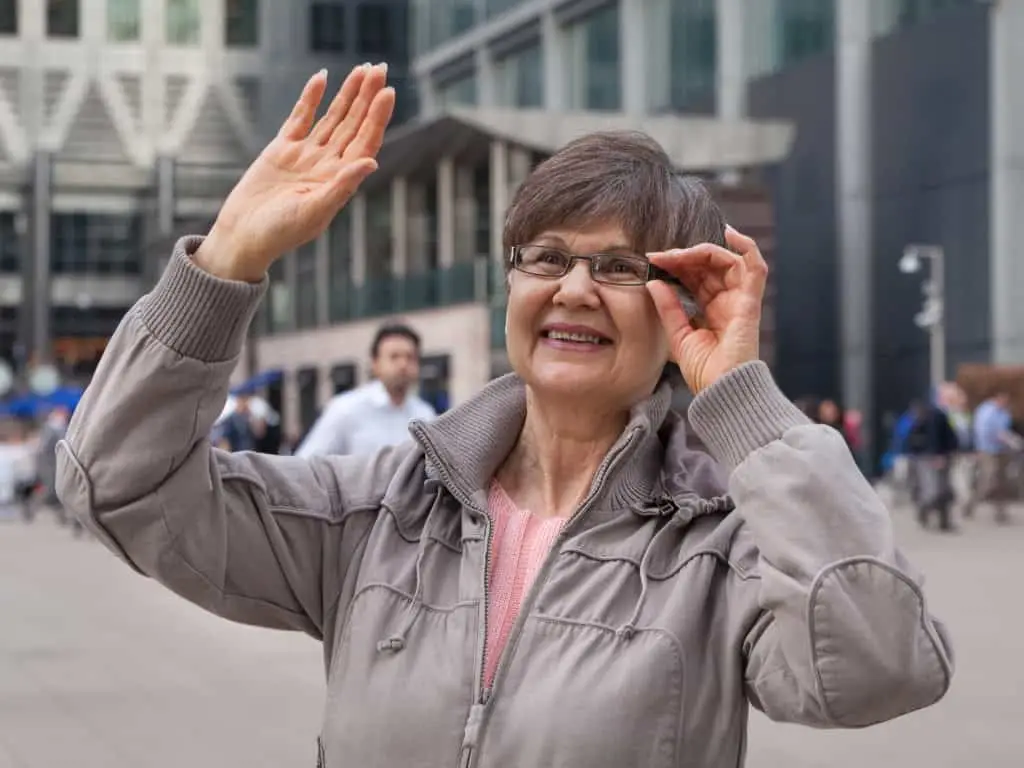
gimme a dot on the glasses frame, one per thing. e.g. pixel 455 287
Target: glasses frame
pixel 653 272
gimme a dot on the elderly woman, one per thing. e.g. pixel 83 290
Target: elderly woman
pixel 547 575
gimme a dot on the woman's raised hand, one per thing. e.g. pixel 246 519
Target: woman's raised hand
pixel 302 178
pixel 729 283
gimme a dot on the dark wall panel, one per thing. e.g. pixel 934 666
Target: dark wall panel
pixel 930 128
pixel 803 188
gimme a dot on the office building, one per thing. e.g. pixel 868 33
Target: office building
pixel 909 128
pixel 122 125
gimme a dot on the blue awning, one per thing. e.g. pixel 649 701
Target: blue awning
pixel 258 382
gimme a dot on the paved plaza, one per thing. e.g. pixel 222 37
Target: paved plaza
pixel 100 668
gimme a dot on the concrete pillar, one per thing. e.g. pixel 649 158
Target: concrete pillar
pixel 853 201
pixel 429 98
pixel 633 57
pixel 445 212
pixel 1007 182
pixel 399 226
pixel 556 96
pixel 731 75
pixel 39 297
pixel 518 166
pixel 499 197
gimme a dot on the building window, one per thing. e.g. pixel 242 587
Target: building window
pixel 327 27
pixel 280 307
pixel 62 18
pixel 124 21
pixel 339 242
pixel 593 60
pixel 8 17
pixel 806 28
pixel 183 22
pixel 306 292
pixel 378 31
pixel 891 15
pixel 686 70
pixel 242 23
pixel 10 242
pixel 520 78
pixel 96 243
pixel 458 92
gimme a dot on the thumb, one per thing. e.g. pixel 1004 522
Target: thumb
pixel 670 310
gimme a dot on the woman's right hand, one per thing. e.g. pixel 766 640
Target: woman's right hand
pixel 300 181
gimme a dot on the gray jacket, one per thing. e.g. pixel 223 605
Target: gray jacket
pixel 665 606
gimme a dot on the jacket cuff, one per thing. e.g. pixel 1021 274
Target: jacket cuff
pixel 742 412
pixel 196 314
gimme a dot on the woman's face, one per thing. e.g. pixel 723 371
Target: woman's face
pixel 573 336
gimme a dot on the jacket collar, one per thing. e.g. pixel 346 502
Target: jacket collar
pixel 466 445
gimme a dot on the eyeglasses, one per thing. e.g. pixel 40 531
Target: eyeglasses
pixel 607 268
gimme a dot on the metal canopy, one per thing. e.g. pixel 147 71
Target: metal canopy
pixel 695 144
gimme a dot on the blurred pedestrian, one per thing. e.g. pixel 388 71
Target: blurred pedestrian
pixel 996 444
pixel 377 414
pixel 931 445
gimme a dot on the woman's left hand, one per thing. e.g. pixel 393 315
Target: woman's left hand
pixel 730 289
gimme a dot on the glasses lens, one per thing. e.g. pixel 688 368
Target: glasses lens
pixel 621 270
pixel 541 260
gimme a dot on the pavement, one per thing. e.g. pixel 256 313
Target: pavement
pixel 100 668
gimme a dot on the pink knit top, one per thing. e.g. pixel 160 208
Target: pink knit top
pixel 519 542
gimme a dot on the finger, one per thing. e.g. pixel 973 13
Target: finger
pixel 370 137
pixel 340 105
pixel 753 259
pixel 301 119
pixel 670 310
pixel 705 256
pixel 373 83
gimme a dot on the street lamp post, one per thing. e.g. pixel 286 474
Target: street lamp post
pixel 932 314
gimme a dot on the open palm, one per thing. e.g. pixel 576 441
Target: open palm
pixel 729 285
pixel 304 176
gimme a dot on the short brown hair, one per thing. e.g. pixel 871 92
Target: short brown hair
pixel 620 176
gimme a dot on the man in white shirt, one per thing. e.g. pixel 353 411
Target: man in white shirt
pixel 377 414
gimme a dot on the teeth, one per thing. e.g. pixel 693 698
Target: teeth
pixel 577 337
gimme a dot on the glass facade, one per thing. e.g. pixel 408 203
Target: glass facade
pixel 339 267
pixel 519 78
pixel 376 292
pixel 458 92
pixel 307 297
pixel 62 18
pixel 124 21
pixel 96 243
pixel 493 8
pixel 438 21
pixel 241 23
pixel 593 62
pixel 682 55
pixel 784 32
pixel 8 17
pixel 182 22
pixel 892 15
pixel 10 243
pixel 327 27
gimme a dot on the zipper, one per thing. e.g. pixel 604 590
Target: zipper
pixel 609 463
pixel 524 609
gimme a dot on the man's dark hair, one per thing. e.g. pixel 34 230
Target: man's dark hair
pixel 390 330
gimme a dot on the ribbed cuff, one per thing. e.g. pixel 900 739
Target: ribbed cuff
pixel 741 412
pixel 196 314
